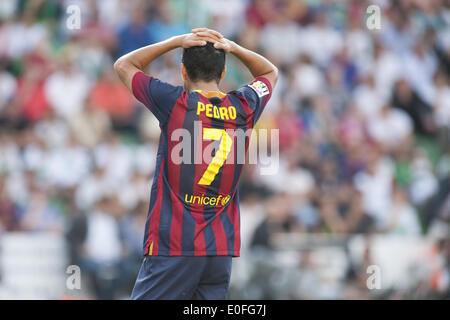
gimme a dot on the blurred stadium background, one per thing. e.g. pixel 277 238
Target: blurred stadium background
pixel 364 118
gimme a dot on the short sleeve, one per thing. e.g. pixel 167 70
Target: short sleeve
pixel 257 93
pixel 158 96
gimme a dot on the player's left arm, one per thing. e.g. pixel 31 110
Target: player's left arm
pixel 137 60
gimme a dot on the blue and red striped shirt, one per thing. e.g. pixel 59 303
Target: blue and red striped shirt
pixel 194 203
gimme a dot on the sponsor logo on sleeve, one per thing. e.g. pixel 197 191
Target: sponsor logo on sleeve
pixel 260 88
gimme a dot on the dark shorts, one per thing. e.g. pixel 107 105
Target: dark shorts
pixel 183 278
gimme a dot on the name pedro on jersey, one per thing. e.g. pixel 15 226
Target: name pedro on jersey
pixel 211 111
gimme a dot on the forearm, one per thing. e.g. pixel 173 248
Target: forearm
pixel 257 64
pixel 137 60
pixel 142 57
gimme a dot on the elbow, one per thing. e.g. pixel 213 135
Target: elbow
pixel 119 66
pixel 274 76
pixel 275 72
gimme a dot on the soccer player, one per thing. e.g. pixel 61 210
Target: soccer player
pixel 192 230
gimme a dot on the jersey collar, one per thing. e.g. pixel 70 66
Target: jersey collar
pixel 211 94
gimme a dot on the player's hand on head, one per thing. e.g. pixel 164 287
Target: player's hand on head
pixel 215 37
pixel 209 33
pixel 224 44
pixel 193 40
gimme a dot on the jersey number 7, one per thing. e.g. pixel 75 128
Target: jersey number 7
pixel 220 156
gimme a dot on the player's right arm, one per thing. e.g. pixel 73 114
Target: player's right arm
pixel 158 96
pixel 137 60
pixel 256 63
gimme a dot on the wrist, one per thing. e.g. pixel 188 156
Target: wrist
pixel 233 47
pixel 176 41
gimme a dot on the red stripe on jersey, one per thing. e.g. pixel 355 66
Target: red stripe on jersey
pixel 219 233
pixel 233 210
pixel 233 214
pixel 176 227
pixel 250 115
pixel 248 111
pixel 226 184
pixel 199 238
pixel 153 234
pixel 200 222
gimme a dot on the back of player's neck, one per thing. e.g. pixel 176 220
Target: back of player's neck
pixel 204 86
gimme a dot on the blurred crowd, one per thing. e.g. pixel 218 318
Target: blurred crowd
pixel 363 118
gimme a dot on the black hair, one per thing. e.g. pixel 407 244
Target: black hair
pixel 204 63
